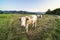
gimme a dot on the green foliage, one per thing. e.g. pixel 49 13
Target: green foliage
pixel 57 29
pixel 54 12
pixel 48 11
pixel 1 12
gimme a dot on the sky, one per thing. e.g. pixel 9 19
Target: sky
pixel 29 5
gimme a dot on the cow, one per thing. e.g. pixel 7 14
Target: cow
pixel 39 16
pixel 27 20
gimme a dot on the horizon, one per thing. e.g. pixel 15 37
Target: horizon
pixel 29 5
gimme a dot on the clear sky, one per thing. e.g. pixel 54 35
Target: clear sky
pixel 29 5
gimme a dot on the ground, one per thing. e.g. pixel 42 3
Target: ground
pixel 48 28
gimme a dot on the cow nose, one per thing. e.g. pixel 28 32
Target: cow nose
pixel 22 25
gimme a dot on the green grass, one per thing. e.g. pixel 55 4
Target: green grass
pixel 48 28
pixel 57 29
pixel 9 24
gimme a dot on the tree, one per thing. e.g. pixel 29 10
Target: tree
pixel 56 11
pixel 48 11
pixel 1 12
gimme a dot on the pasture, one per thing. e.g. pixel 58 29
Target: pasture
pixel 48 28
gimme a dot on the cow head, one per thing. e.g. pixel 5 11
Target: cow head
pixel 23 21
pixel 39 16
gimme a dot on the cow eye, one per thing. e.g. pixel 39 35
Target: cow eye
pixel 19 18
pixel 27 19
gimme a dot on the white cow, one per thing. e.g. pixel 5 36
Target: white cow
pixel 27 20
pixel 39 16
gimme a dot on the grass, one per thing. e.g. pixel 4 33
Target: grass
pixel 57 29
pixel 9 25
pixel 48 28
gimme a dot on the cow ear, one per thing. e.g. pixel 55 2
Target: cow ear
pixel 19 18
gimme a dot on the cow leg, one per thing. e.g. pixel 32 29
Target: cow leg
pixel 36 24
pixel 33 24
pixel 26 28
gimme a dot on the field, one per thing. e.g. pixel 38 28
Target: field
pixel 48 28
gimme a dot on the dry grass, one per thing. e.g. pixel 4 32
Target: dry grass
pixel 43 31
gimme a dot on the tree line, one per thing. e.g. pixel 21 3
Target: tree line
pixel 53 12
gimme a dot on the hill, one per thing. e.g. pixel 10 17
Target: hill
pixel 54 12
pixel 19 12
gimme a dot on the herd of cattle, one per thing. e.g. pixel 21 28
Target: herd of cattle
pixel 27 20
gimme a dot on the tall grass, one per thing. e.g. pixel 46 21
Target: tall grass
pixel 47 28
